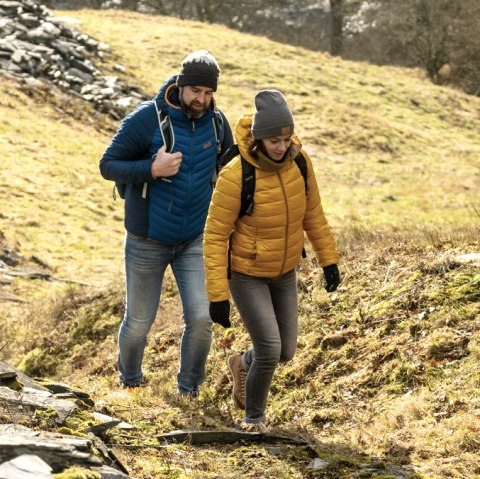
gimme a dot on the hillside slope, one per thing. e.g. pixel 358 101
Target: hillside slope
pixel 378 132
pixel 387 367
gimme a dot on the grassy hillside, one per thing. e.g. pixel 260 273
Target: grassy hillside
pixel 386 369
pixel 378 133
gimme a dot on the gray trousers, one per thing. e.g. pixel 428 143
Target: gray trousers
pixel 269 310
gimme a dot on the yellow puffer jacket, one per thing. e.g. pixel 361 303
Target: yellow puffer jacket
pixel 268 243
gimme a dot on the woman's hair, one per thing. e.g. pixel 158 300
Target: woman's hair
pixel 254 146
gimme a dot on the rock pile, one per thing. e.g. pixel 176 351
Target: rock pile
pixel 36 45
pixel 37 453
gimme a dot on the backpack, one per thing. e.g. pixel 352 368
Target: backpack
pixel 248 177
pixel 168 137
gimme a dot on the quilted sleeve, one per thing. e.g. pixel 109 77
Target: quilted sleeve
pixel 222 215
pixel 126 158
pixel 316 225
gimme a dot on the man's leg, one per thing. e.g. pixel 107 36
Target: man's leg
pixel 145 264
pixel 197 333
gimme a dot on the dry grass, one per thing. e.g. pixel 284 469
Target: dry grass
pixel 386 368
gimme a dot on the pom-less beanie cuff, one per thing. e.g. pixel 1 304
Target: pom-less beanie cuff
pixel 199 69
pixel 261 134
pixel 272 116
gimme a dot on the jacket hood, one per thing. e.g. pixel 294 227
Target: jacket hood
pixel 244 137
pixel 173 94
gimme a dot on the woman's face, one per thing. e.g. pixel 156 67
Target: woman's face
pixel 276 146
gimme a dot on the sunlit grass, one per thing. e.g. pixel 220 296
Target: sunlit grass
pixel 386 366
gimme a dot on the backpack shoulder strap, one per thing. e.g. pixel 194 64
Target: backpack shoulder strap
pixel 229 155
pixel 248 188
pixel 248 179
pixel 302 166
pixel 219 128
pixel 168 137
pixel 246 199
pixel 166 129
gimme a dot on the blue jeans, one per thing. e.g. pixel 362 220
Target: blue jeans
pixel 145 265
pixel 269 310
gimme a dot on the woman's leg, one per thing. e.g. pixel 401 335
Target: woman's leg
pixel 259 300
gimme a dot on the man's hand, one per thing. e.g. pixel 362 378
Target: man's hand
pixel 166 164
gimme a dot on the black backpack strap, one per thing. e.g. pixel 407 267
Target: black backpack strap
pixel 166 129
pixel 219 129
pixel 302 166
pixel 246 200
pixel 248 188
pixel 229 155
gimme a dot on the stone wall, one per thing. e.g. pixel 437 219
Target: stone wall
pixel 36 45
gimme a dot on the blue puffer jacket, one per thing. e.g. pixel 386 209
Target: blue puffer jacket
pixel 172 212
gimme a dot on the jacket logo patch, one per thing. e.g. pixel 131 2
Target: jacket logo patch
pixel 207 145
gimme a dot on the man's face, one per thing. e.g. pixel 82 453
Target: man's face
pixel 195 100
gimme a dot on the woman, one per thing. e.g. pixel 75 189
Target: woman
pixel 263 248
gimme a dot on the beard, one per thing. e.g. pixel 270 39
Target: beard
pixel 194 109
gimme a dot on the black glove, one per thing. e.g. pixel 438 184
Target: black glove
pixel 219 312
pixel 332 277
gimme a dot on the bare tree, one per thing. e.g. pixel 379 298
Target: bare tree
pixel 208 10
pixel 130 4
pixel 441 36
pixel 336 36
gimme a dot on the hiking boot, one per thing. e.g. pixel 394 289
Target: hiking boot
pixel 256 427
pixel 135 385
pixel 187 395
pixel 239 380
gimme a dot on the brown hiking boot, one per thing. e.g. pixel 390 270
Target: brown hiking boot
pixel 258 427
pixel 239 379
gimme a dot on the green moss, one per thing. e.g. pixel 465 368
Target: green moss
pixel 465 288
pixel 79 421
pixel 98 316
pixel 66 431
pixel 5 419
pixel 13 384
pixel 45 419
pixel 39 362
pixel 351 460
pixel 77 473
pixel 408 374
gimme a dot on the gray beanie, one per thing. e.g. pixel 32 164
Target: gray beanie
pixel 272 116
pixel 199 69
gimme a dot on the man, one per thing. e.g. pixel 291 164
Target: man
pixel 167 195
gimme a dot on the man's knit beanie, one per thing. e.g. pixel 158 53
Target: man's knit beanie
pixel 272 116
pixel 199 69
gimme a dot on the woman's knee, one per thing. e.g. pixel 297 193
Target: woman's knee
pixel 287 355
pixel 268 357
